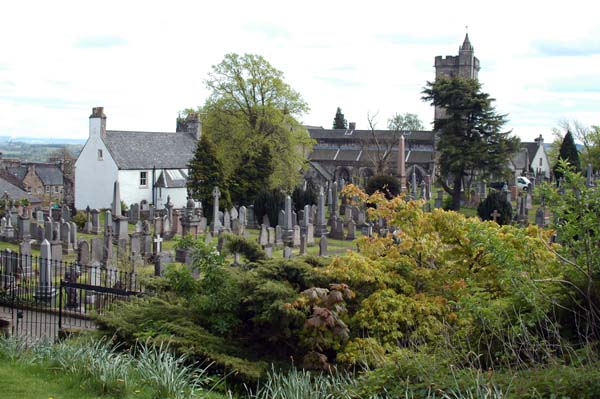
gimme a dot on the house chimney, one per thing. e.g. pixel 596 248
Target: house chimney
pixel 539 141
pixel 352 126
pixel 97 122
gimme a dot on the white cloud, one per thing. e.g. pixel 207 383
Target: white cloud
pixel 145 61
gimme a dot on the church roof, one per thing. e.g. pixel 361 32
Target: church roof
pixel 147 150
pixel 354 135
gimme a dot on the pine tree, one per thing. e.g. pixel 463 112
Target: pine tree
pixel 339 122
pixel 251 176
pixel 568 152
pixel 206 173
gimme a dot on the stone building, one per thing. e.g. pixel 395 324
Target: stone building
pixel 45 180
pixel 356 155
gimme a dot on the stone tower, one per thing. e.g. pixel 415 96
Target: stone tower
pixel 465 65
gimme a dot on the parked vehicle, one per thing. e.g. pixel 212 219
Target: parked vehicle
pixel 523 183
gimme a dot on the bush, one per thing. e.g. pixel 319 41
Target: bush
pixel 185 242
pixel 80 219
pixel 495 201
pixel 388 185
pixel 301 197
pixel 250 249
pixel 268 202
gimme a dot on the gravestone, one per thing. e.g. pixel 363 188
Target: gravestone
pixel 351 230
pixel 288 225
pixel 25 268
pixel 243 216
pixel 272 235
pixel 226 221
pixel 310 235
pixel 83 253
pixel 263 237
pixel 540 219
pixel 74 241
pixel 45 291
pixel 268 251
pixel 323 246
pixel 65 213
pixel 216 226
pixel 287 252
pixel 320 224
pixel 57 251
pixel 439 199
pixel 303 244
pixel 23 228
pixel 134 213
pixel 96 229
pixel 48 230
pixel 65 237
pixel 278 236
pixel 296 236
pixel 97 250
pixel 281 218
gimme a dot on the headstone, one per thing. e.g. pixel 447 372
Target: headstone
pixel 23 228
pixel 83 253
pixel 263 237
pixel 310 235
pixel 25 268
pixel 320 224
pixel 216 227
pixel 272 235
pixel 45 290
pixel 540 219
pixel 226 221
pixel 296 236
pixel 56 251
pixel 266 221
pixel 108 245
pixel 65 237
pixel 278 236
pixel 351 230
pixel 303 244
pixel 323 246
pixel 134 213
pixel 243 216
pixel 96 229
pixel 74 241
pixel 288 225
pixel 233 213
pixel 334 209
pixel 439 199
pixel 157 244
pixel 268 251
pixel 287 252
pixel 281 218
pixel 65 213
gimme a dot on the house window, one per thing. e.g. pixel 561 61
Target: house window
pixel 47 189
pixel 100 155
pixel 143 178
pixel 540 162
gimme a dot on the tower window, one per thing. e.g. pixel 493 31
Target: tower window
pixel 100 158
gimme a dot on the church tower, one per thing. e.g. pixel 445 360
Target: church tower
pixel 465 65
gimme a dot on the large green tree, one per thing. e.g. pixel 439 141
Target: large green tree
pixel 471 139
pixel 339 122
pixel 206 173
pixel 250 107
pixel 568 152
pixel 405 122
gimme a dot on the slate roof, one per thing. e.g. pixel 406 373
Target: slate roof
pixel 353 135
pixel 531 147
pixel 146 150
pixel 15 192
pixel 50 175
pixel 519 160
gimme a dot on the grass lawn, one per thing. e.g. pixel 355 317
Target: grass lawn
pixel 24 381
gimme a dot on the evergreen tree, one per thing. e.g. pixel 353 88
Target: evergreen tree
pixel 470 136
pixel 339 122
pixel 251 176
pixel 206 173
pixel 568 152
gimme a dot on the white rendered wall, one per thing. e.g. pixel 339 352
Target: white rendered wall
pixel 132 192
pixel 94 178
pixel 535 162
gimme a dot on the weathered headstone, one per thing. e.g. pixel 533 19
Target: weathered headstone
pixel 278 236
pixel 263 237
pixel 45 290
pixel 25 268
pixel 296 236
pixel 216 226
pixel 303 244
pixel 83 253
pixel 351 230
pixel 96 229
pixel 65 237
pixel 323 246
pixel 287 252
pixel 320 224
pixel 439 199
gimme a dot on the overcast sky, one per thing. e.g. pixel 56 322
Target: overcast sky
pixel 145 61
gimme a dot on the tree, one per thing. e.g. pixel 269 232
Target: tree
pixel 568 152
pixel 377 146
pixel 470 137
pixel 406 122
pixel 250 107
pixel 339 122
pixel 589 137
pixel 206 173
pixel 251 175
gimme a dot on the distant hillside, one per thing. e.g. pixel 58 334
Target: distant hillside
pixel 37 152
pixel 40 140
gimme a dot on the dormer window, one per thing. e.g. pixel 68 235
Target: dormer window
pixel 100 157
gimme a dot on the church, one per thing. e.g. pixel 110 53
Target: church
pixel 356 155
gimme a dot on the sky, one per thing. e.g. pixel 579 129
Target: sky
pixel 144 61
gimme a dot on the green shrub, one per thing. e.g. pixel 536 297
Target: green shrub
pixel 186 242
pixel 387 184
pixel 80 219
pixel 301 197
pixel 248 248
pixel 495 201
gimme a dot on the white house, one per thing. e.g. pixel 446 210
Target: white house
pixel 531 159
pixel 148 165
